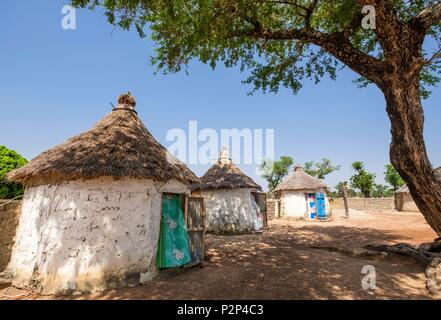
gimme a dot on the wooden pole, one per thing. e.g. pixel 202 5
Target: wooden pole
pixel 186 211
pixel 345 199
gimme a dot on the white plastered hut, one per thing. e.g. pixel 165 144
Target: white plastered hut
pixel 230 206
pixel 91 211
pixel 403 198
pixel 301 195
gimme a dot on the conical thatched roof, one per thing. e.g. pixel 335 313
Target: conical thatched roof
pixel 225 175
pixel 119 145
pixel 300 180
pixel 405 188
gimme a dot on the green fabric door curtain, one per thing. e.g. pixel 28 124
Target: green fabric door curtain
pixel 173 247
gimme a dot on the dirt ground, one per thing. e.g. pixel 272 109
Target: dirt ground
pixel 294 260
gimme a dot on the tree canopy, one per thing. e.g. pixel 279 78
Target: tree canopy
pixel 280 42
pixel 339 189
pixel 381 190
pixel 9 160
pixel 320 169
pixel 392 177
pixel 362 179
pixel 274 171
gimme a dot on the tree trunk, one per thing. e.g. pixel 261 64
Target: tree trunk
pixel 407 150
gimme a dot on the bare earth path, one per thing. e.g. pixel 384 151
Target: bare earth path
pixel 285 263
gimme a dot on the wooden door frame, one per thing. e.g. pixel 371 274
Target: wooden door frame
pixel 200 229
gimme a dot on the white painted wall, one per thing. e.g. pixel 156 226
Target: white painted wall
pixel 408 203
pixel 293 203
pixel 230 211
pixel 89 235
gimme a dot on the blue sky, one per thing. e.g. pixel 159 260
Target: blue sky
pixel 55 83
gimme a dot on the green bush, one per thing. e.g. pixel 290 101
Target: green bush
pixel 9 160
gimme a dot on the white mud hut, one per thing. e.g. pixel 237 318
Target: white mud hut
pixel 92 208
pixel 302 196
pixel 230 206
pixel 404 200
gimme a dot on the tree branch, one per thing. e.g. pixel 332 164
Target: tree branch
pixel 436 55
pixel 291 3
pixel 389 30
pixel 309 12
pixel 427 17
pixel 337 44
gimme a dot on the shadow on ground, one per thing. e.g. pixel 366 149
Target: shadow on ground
pixel 280 264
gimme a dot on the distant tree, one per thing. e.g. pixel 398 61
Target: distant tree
pixel 320 169
pixel 381 190
pixel 309 168
pixel 9 160
pixel 339 189
pixel 362 179
pixel 392 177
pixel 274 171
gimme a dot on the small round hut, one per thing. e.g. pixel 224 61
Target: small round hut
pixel 302 196
pixel 403 198
pixel 230 206
pixel 91 214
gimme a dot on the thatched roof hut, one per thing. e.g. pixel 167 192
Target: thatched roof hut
pixel 403 189
pixel 224 174
pixel 119 145
pixel 92 208
pixel 403 198
pixel 229 201
pixel 302 195
pixel 300 180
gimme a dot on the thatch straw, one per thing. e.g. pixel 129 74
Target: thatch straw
pixel 118 146
pixel 403 189
pixel 300 180
pixel 225 175
pixel 127 100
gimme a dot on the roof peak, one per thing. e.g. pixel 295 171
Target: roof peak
pixel 118 145
pixel 126 101
pixel 225 175
pixel 300 180
pixel 224 157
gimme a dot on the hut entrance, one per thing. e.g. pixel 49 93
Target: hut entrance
pixel 173 246
pixel 316 205
pixel 320 205
pixel 194 217
pixel 311 208
pixel 181 240
pixel 260 198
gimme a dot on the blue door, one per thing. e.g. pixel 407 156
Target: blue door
pixel 320 205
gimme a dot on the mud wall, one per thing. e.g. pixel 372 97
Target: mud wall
pixel 365 204
pixel 88 235
pixel 9 216
pixel 229 210
pixel 404 202
pixel 272 208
